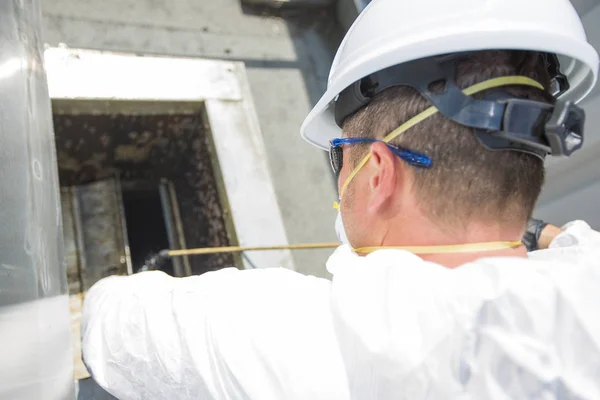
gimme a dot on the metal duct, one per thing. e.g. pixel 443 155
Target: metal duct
pixel 36 359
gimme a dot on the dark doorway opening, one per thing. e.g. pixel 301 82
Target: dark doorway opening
pixel 146 228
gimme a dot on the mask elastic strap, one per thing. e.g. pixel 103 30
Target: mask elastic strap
pixel 479 87
pixel 456 248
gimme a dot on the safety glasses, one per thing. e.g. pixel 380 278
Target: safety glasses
pixel 336 153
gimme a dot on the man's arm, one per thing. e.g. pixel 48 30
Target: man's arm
pixel 540 236
pixel 548 234
pixel 230 334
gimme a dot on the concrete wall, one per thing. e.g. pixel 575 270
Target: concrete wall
pixel 572 188
pixel 287 57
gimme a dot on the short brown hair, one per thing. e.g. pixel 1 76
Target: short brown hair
pixel 466 180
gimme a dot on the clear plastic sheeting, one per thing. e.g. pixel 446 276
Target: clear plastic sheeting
pixel 36 357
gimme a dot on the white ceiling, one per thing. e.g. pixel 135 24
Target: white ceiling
pixel 584 6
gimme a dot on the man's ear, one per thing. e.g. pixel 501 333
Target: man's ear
pixel 384 169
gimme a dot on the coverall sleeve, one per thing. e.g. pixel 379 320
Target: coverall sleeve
pixel 230 334
pixel 576 233
pixel 578 241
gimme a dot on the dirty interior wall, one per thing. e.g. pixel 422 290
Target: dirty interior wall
pixel 287 58
pixel 144 149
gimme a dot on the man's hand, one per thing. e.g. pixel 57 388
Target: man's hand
pixel 539 235
pixel 155 261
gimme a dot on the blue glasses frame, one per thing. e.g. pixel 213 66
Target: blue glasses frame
pixel 336 158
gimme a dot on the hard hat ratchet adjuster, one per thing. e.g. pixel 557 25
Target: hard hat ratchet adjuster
pixel 501 121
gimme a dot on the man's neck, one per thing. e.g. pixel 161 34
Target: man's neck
pixel 427 233
pixel 454 260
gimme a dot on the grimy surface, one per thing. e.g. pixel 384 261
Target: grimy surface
pixel 287 58
pixel 148 148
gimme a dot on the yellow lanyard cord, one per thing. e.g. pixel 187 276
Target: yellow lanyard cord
pixel 455 248
pixel 239 249
pixel 479 87
pixel 460 248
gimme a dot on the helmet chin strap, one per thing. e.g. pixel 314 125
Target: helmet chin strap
pixel 447 249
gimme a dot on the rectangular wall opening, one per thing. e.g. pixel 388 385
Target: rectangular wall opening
pixel 117 135
pixel 142 145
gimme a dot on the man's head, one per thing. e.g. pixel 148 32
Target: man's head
pixel 467 184
pixel 397 43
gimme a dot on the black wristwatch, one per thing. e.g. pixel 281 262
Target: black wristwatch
pixel 533 233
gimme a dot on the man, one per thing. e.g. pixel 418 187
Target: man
pixel 434 296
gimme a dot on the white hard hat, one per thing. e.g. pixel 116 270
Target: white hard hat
pixel 392 32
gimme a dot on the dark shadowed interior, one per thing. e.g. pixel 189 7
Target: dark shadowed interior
pixel 142 150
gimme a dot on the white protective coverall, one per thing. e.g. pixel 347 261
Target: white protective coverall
pixel 389 326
